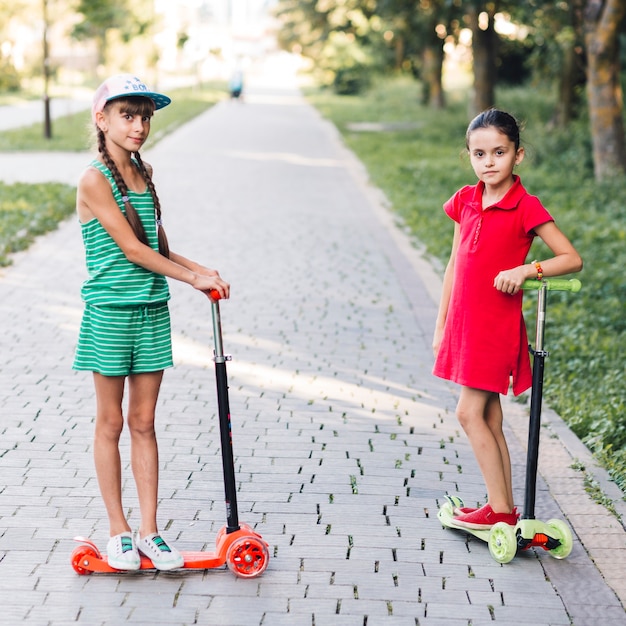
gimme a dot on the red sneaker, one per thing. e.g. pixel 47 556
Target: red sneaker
pixel 484 518
pixel 460 510
pixel 464 510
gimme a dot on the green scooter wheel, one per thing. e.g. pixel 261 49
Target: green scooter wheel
pixel 564 535
pixel 502 542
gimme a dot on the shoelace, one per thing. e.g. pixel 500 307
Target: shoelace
pixel 159 542
pixel 126 544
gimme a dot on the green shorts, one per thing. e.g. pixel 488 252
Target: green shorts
pixel 118 341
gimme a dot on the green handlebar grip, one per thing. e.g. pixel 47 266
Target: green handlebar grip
pixel 554 284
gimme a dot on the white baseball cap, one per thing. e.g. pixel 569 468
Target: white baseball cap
pixel 123 86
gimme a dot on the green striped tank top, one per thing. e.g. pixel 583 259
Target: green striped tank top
pixel 112 279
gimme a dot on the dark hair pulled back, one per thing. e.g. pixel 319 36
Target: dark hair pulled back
pixel 494 118
pixel 135 106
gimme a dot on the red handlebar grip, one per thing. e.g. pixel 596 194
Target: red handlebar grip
pixel 215 294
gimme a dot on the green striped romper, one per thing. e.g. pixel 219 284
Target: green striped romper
pixel 126 324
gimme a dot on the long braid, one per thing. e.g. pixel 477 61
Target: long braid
pixel 131 214
pixel 164 247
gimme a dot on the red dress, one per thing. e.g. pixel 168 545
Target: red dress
pixel 484 341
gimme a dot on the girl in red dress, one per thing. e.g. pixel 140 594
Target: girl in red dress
pixel 480 338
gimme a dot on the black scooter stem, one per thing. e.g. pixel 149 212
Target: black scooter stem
pixel 228 461
pixel 534 426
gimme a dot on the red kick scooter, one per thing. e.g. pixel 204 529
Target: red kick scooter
pixel 244 551
pixel 554 536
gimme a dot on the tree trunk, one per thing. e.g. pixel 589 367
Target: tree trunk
pixel 484 50
pixel 432 64
pixel 399 53
pixel 572 79
pixel 573 72
pixel 602 27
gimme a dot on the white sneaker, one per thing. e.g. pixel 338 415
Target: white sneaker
pixel 162 555
pixel 122 552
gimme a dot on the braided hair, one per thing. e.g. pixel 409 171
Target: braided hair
pixel 135 106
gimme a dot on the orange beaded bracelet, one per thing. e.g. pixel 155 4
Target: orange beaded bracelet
pixel 539 270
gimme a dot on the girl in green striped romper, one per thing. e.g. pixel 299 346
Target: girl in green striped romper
pixel 125 331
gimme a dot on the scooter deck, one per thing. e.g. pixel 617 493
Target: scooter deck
pixel 446 517
pixel 243 551
pixel 92 561
pixel 506 541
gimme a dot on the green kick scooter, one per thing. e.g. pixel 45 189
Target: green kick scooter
pixel 504 540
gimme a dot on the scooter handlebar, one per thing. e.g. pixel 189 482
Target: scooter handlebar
pixel 554 284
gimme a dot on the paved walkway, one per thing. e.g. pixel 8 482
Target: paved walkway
pixel 344 442
pixel 32 111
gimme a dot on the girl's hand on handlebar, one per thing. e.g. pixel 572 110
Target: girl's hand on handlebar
pixel 206 284
pixel 510 281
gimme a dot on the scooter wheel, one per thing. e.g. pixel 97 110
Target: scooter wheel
pixel 78 554
pixel 564 535
pixel 502 542
pixel 247 557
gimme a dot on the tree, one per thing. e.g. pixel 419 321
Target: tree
pixel 556 41
pixel 435 20
pixel 480 18
pixel 9 76
pixel 418 38
pixel 337 35
pixel 602 21
pixel 101 16
pixel 571 76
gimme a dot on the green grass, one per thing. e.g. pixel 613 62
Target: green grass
pixel 419 169
pixel 27 211
pixel 30 210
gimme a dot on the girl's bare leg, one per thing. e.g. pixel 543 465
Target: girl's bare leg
pixel 144 392
pixel 480 414
pixel 109 425
pixel 494 418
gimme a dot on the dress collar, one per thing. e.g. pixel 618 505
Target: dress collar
pixel 510 200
